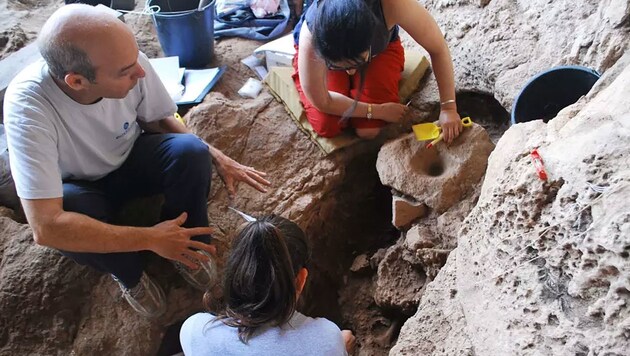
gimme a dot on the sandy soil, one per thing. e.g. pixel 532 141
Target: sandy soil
pixel 20 21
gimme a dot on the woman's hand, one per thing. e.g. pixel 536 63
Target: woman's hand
pixel 451 124
pixel 390 112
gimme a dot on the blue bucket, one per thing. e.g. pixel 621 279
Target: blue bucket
pixel 551 91
pixel 184 31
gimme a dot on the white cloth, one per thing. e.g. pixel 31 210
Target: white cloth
pixel 201 335
pixel 52 137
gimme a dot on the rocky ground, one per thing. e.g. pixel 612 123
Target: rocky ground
pixel 535 268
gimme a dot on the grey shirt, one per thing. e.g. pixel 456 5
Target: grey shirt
pixel 52 137
pixel 202 335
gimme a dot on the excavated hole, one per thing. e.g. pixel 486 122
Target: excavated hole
pixel 356 219
pixel 428 161
pixel 435 170
pixel 486 111
pixel 360 223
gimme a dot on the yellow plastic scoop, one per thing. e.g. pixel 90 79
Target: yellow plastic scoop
pixel 431 131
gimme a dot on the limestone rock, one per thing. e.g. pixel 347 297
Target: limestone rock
pixel 432 259
pixel 399 283
pixel 405 211
pixel 509 42
pixel 419 236
pixel 439 316
pixel 483 3
pixel 618 12
pixel 377 257
pixel 542 264
pixel 451 222
pixel 440 176
pixel 360 264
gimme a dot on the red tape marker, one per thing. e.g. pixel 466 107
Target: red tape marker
pixel 538 163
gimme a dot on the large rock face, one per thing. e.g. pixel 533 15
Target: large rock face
pixel 497 45
pixel 542 266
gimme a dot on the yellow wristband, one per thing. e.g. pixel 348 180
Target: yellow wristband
pixel 369 113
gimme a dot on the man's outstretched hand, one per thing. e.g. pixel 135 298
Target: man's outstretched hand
pixel 171 240
pixel 232 172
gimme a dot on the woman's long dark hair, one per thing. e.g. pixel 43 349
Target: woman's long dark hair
pixel 259 286
pixel 343 31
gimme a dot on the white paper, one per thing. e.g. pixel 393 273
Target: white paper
pixel 196 81
pixel 170 74
pixel 167 69
pixel 283 45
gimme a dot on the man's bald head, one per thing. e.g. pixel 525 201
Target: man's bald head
pixel 70 36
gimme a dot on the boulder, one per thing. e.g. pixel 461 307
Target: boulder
pixel 543 264
pixel 440 176
pixel 399 283
pixel 419 236
pixel 360 264
pixel 405 211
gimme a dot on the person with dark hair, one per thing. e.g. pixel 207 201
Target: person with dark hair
pixel 90 127
pixel 349 62
pixel 264 277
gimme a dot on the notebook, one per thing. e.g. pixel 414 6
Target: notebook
pixel 185 86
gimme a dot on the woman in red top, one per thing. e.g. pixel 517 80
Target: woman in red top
pixel 350 60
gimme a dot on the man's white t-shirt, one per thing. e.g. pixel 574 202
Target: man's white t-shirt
pixel 52 137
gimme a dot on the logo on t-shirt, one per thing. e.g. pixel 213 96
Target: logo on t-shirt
pixel 125 130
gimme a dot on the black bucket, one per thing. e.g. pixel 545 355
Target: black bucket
pixel 185 31
pixel 551 91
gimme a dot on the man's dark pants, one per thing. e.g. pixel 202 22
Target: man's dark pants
pixel 175 165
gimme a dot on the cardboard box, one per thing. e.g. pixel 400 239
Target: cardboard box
pixel 278 53
pixel 276 59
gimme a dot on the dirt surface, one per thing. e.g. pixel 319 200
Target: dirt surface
pixel 50 305
pixel 21 20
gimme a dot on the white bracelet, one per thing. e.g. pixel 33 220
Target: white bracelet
pixel 447 102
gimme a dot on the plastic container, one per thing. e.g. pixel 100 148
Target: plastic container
pixel 185 31
pixel 551 91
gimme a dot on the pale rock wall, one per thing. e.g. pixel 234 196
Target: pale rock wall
pixel 542 267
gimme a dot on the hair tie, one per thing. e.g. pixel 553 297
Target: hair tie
pixel 246 217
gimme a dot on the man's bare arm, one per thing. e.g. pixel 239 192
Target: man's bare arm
pixel 54 227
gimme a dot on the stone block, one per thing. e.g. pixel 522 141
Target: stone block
pixel 440 176
pixel 405 211
pixel 419 236
pixel 399 283
pixel 360 264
